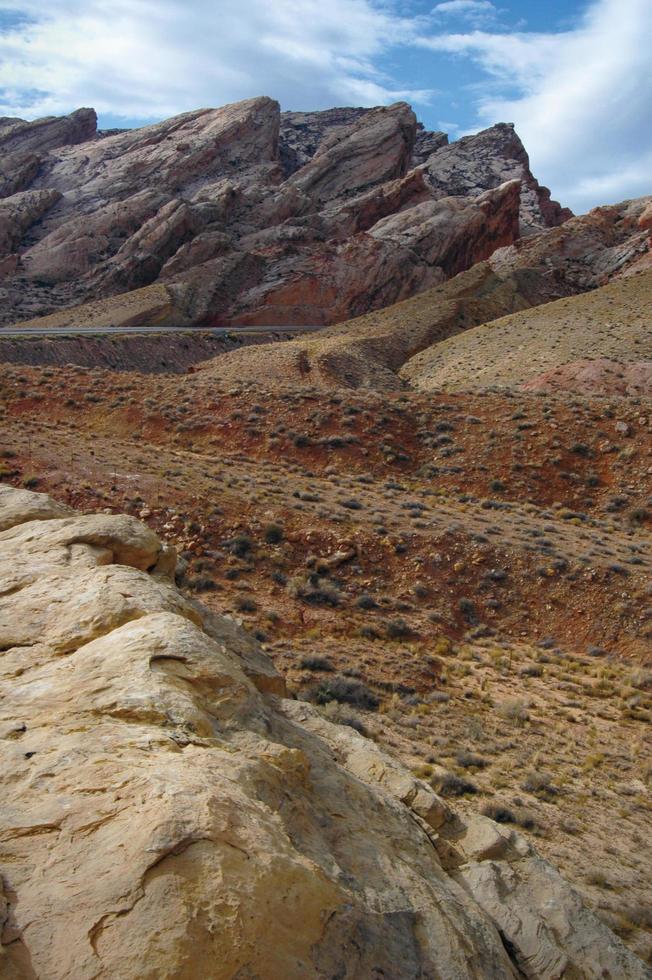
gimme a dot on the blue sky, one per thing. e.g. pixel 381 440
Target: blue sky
pixel 574 75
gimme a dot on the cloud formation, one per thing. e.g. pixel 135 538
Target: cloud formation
pixel 151 58
pixel 580 99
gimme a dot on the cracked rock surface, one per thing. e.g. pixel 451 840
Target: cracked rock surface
pixel 168 813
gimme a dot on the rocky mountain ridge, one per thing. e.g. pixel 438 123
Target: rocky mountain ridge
pixel 250 215
pixel 168 806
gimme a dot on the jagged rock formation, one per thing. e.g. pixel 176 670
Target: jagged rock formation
pixel 476 163
pixel 169 813
pixel 24 146
pixel 250 215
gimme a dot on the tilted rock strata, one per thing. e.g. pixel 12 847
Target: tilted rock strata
pixel 475 164
pixel 252 215
pixel 587 250
pixel 168 814
pixel 19 212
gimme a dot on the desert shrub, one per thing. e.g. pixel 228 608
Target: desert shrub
pixel 345 691
pixel 539 783
pixel 351 504
pixel 514 710
pixel 273 533
pixel 240 545
pixel 202 583
pixel 369 633
pixel 244 603
pixel 527 819
pixel 316 663
pixel 499 812
pixel 469 760
pixel 340 716
pixel 452 785
pixel 314 589
pixel 397 628
pixel 467 608
pixel 365 601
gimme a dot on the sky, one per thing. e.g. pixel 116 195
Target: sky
pixel 575 76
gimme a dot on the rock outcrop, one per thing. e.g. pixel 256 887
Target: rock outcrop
pixel 168 813
pixel 25 146
pixel 252 215
pixel 477 163
pixel 19 212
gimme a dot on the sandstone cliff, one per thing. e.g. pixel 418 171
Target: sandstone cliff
pixel 250 215
pixel 168 813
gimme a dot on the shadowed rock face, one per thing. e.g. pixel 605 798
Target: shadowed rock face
pixel 168 813
pixel 252 215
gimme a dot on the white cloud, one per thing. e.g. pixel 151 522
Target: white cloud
pixel 580 99
pixel 465 8
pixel 152 58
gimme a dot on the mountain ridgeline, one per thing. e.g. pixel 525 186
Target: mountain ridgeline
pixel 247 215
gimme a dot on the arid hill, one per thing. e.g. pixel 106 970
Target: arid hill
pixel 385 349
pixel 610 328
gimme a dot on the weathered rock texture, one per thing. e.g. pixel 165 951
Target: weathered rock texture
pixel 166 813
pixel 249 215
pixel 477 163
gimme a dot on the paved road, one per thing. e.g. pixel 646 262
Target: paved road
pixel 133 331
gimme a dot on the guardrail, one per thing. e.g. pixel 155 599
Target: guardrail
pixel 135 331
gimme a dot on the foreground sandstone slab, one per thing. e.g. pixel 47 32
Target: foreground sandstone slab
pixel 167 813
